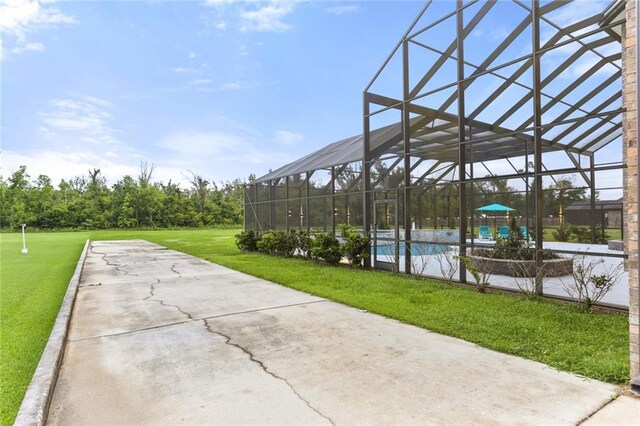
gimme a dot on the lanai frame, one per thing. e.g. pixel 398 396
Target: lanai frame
pixel 406 143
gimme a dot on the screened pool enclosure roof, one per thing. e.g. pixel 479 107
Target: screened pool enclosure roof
pixel 437 139
pixel 580 116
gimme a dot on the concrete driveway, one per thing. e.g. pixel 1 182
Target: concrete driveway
pixel 160 337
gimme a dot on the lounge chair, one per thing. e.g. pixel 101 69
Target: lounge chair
pixel 525 232
pixel 485 234
pixel 504 232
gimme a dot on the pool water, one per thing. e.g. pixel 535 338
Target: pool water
pixel 387 248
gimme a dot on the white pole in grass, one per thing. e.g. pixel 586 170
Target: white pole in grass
pixel 24 241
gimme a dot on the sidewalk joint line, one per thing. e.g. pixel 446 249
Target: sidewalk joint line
pixel 193 319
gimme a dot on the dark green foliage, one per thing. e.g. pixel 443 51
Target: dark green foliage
pixel 511 247
pixel 247 241
pixel 514 247
pixel 327 247
pixel 582 234
pixel 356 247
pixel 277 243
pixel 303 242
pixel 562 234
pixel 87 202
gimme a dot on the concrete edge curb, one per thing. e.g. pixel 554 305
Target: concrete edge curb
pixel 35 405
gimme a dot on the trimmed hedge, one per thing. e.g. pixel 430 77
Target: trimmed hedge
pixel 322 246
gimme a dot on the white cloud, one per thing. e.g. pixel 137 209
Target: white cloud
pixel 268 18
pixel 86 119
pixel 205 144
pixel 18 18
pixel 287 137
pixel 499 33
pixel 576 11
pixel 554 58
pixel 180 70
pixel 343 9
pixel 219 149
pixel 193 55
pixel 218 3
pixel 230 86
pixel 220 25
pixel 27 47
pixel 240 85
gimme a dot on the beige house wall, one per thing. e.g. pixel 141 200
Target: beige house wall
pixel 630 132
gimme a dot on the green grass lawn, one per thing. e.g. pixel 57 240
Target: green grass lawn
pixel 611 233
pixel 31 290
pixel 595 345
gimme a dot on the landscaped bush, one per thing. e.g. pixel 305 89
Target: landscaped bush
pixel 588 286
pixel 562 234
pixel 508 248
pixel 247 241
pixel 583 235
pixel 303 242
pixel 324 246
pixel 514 247
pixel 356 247
pixel 327 247
pixel 277 243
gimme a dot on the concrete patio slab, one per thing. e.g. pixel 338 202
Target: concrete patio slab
pixel 160 337
pixel 623 411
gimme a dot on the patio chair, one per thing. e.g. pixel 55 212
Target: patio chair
pixel 485 234
pixel 525 232
pixel 504 232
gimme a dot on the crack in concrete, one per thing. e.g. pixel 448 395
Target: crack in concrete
pixel 174 270
pixel 122 270
pixel 230 343
pixel 187 314
pixel 152 289
pixel 104 257
pixel 264 367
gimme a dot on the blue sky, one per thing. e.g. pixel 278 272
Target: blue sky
pixel 224 89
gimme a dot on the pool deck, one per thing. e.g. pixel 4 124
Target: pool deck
pixel 618 295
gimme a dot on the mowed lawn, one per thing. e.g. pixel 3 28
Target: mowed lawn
pixel 590 344
pixel 31 290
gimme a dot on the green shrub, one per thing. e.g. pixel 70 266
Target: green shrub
pixel 583 235
pixel 356 247
pixel 303 242
pixel 327 247
pixel 562 234
pixel 512 246
pixel 247 240
pixel 277 243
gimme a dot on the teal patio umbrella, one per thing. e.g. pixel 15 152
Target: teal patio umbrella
pixel 494 208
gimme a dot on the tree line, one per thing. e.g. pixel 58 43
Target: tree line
pixel 88 202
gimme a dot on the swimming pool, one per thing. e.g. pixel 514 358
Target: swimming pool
pixel 387 248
